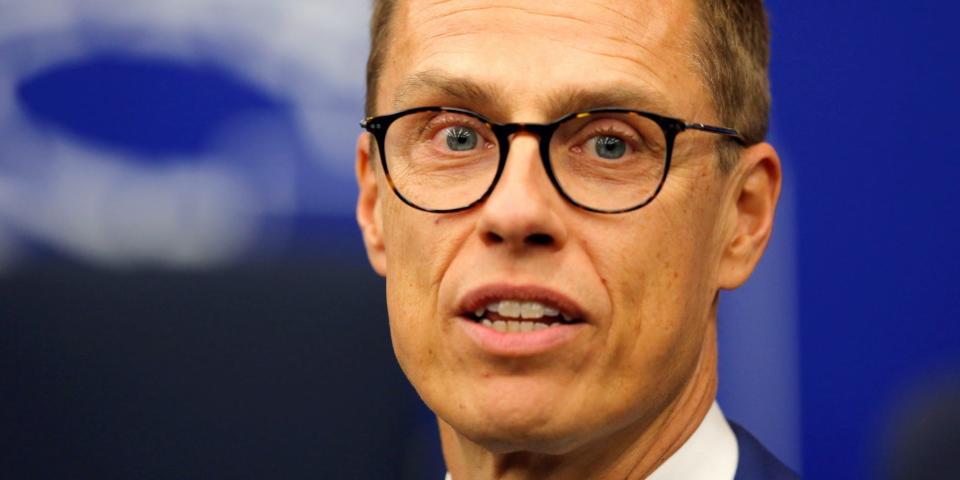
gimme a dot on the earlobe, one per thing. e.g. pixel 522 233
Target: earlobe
pixel 369 215
pixel 752 207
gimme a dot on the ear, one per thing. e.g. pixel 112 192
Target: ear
pixel 369 214
pixel 756 189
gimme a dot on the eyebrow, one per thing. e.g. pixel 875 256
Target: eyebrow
pixel 569 100
pixel 435 85
pixel 428 85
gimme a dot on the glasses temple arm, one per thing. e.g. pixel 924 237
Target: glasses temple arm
pixel 729 132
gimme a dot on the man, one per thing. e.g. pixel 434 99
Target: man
pixel 554 239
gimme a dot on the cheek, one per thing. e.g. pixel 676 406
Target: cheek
pixel 418 249
pixel 658 322
pixel 659 287
pixel 650 265
pixel 410 300
pixel 419 245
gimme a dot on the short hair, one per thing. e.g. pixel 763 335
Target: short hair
pixel 733 55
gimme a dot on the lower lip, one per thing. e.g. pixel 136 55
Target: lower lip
pixel 518 344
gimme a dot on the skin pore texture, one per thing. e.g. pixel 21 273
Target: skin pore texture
pixel 632 381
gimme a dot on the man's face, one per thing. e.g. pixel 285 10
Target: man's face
pixel 641 285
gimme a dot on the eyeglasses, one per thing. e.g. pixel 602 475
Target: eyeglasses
pixel 607 160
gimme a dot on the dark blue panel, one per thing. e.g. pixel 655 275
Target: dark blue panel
pixel 866 97
pixel 277 371
pixel 153 106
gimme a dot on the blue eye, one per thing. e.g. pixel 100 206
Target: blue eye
pixel 611 148
pixel 461 139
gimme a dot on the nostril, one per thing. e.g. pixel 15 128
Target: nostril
pixel 493 237
pixel 542 239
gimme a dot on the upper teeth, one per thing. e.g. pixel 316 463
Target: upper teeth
pixel 519 309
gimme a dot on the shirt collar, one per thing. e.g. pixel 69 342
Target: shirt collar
pixel 711 453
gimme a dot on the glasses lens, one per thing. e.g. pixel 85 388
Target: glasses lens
pixel 609 161
pixel 441 160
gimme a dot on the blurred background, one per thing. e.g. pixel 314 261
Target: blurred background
pixel 183 292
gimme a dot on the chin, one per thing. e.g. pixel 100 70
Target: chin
pixel 507 427
pixel 503 439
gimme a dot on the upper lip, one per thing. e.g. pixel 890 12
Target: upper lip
pixel 481 297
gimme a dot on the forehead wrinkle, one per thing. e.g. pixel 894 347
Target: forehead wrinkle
pixel 666 47
pixel 637 49
pixel 644 72
pixel 515 8
pixel 610 27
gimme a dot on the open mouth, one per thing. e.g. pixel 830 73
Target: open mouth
pixel 517 316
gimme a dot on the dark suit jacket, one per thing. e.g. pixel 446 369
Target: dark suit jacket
pixel 756 462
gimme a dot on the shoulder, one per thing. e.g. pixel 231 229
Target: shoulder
pixel 755 461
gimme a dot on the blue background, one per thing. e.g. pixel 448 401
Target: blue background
pixel 865 99
pixel 167 355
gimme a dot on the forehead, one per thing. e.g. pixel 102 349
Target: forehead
pixel 529 56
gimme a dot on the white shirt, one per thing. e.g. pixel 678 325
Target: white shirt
pixel 711 453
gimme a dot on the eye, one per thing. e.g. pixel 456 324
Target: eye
pixel 610 138
pixel 608 147
pixel 460 138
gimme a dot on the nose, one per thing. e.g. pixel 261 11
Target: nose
pixel 523 211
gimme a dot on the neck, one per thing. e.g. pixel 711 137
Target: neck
pixel 632 453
